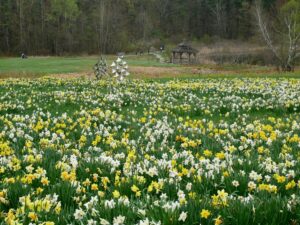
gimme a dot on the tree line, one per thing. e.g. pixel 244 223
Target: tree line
pixel 57 27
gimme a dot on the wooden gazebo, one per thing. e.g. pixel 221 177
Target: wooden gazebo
pixel 184 54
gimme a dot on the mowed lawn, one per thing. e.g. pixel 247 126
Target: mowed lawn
pixel 59 65
pixel 145 66
pixel 46 65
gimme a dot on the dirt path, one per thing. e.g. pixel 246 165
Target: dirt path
pixel 139 72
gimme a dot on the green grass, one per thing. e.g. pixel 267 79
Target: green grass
pixel 46 65
pixel 58 65
pixel 142 67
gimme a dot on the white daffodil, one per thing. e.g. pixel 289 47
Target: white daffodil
pixel 119 220
pixel 104 222
pixel 182 216
pixel 92 222
pixel 79 214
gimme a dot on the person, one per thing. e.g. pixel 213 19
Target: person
pixel 23 56
pixel 162 48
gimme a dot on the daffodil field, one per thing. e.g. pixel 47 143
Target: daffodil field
pixel 192 151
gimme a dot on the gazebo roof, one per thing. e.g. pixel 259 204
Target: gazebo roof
pixel 185 48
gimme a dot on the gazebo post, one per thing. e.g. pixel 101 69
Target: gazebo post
pixel 189 58
pixel 180 54
pixel 174 56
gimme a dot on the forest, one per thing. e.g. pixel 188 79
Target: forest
pixel 61 27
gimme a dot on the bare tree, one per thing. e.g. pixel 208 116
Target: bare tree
pixel 218 10
pixel 162 7
pixel 21 27
pixel 293 34
pixel 101 26
pixel 286 50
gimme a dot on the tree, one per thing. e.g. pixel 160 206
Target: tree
pixel 290 13
pixel 91 26
pixel 62 15
pixel 284 39
pixel 218 9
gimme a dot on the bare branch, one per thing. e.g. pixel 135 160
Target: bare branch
pixel 264 31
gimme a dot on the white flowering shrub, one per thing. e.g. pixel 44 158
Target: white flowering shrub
pixel 101 69
pixel 120 69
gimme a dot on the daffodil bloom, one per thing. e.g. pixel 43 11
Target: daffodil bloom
pixel 218 220
pixel 33 216
pixel 116 194
pixel 205 213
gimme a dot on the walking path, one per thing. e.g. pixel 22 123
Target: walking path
pixel 159 57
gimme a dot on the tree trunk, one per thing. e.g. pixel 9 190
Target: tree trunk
pixel 21 25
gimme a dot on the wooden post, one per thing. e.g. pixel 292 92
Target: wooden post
pixel 174 55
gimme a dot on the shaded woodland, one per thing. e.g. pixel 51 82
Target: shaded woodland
pixel 57 27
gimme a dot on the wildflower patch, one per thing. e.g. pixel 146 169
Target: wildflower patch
pixel 207 151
